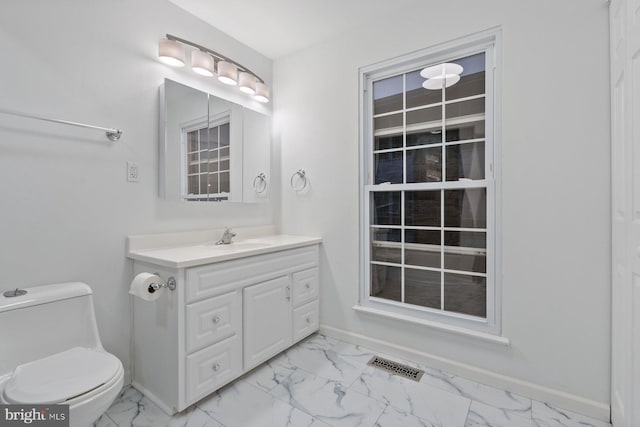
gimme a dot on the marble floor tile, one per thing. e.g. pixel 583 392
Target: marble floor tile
pixel 428 403
pixel 544 415
pixel 354 352
pixel 319 340
pixel 328 400
pixel 271 373
pixel 242 404
pixel 481 415
pixel 193 417
pixel 338 362
pixel 391 417
pixel 104 421
pixel 512 403
pixel 131 408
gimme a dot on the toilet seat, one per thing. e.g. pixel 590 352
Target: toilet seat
pixel 62 377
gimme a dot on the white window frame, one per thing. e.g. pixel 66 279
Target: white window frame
pixel 488 42
pixel 190 126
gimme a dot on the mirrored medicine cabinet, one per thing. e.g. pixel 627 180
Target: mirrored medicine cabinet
pixel 211 149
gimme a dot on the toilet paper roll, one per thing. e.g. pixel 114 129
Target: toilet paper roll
pixel 141 287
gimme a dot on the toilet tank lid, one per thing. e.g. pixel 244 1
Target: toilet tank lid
pixel 43 294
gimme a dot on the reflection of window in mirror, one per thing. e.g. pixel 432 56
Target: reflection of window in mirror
pixel 205 155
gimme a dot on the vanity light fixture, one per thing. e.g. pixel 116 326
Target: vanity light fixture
pixel 441 75
pixel 204 61
pixel 227 73
pixel 171 52
pixel 247 83
pixel 262 92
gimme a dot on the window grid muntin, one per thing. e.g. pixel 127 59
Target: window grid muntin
pixel 215 126
pixel 440 185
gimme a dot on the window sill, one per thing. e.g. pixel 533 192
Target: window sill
pixel 495 339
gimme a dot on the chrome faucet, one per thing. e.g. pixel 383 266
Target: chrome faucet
pixel 227 236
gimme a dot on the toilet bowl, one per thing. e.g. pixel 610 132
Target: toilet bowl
pixel 54 355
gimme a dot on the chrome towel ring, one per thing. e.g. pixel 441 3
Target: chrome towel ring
pixel 260 183
pixel 301 183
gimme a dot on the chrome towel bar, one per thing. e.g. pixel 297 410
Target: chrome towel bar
pixel 112 133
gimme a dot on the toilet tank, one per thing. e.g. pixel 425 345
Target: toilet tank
pixel 46 320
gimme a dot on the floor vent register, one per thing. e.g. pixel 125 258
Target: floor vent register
pixel 396 368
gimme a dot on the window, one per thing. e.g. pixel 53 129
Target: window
pixel 428 194
pixel 206 159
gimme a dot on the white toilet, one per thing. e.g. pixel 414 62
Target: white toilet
pixel 51 352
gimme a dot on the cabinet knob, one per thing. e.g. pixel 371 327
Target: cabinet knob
pixel 216 367
pixel 308 320
pixel 216 318
pixel 307 285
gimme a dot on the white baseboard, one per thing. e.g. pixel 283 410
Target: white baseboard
pixel 557 398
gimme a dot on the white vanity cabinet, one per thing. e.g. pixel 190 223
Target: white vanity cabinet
pixel 223 319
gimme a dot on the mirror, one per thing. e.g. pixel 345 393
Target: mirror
pixel 211 149
pixel 256 138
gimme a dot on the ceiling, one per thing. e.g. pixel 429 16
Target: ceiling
pixel 277 28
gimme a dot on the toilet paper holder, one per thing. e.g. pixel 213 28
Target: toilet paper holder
pixel 169 284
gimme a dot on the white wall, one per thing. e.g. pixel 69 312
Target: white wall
pixel 556 174
pixel 65 204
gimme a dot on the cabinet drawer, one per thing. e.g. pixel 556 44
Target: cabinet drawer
pixel 215 279
pixel 305 286
pixel 213 319
pixel 306 320
pixel 212 367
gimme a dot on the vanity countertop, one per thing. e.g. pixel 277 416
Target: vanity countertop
pixel 191 255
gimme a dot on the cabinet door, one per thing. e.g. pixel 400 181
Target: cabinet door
pixel 267 320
